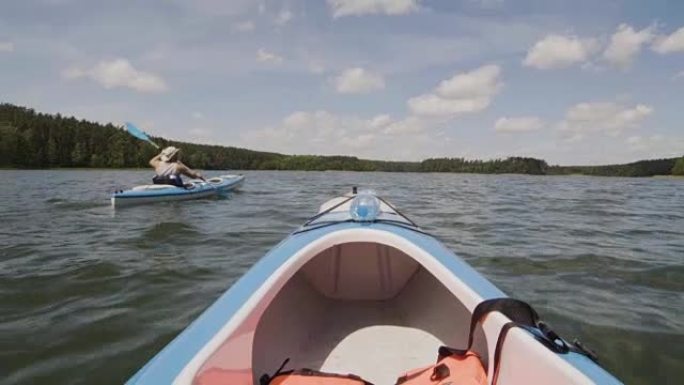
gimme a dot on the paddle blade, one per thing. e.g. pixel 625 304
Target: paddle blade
pixel 138 133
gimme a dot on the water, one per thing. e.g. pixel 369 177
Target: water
pixel 88 294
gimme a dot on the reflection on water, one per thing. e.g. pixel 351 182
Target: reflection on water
pixel 87 292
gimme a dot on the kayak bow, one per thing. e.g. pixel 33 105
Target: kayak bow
pixel 359 289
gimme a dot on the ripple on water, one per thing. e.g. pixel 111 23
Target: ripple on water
pixel 87 292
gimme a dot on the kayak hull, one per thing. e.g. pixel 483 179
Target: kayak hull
pixel 196 189
pixel 374 299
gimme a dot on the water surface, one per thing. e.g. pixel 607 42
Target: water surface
pixel 89 294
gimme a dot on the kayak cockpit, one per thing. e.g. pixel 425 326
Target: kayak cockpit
pixel 355 308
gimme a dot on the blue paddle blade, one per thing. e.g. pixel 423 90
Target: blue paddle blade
pixel 135 131
pixel 138 133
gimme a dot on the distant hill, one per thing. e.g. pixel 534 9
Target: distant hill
pixel 29 139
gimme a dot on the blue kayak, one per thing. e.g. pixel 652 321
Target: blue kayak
pixel 195 189
pixel 361 294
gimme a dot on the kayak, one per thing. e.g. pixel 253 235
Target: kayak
pixel 360 294
pixel 195 189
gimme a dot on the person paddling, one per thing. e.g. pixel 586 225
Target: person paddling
pixel 169 168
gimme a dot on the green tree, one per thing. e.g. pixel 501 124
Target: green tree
pixel 78 155
pixel 678 168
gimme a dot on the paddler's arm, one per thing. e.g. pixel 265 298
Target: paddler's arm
pixel 154 161
pixel 185 170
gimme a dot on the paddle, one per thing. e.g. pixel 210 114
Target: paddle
pixel 138 133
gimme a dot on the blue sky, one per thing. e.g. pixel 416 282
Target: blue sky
pixel 573 82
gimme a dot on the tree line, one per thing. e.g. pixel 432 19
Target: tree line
pixel 29 139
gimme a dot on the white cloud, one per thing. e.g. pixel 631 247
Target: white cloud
pixel 409 125
pixel 556 51
pixel 607 117
pixel 626 43
pixel 634 140
pixel 464 93
pixel 244 26
pixel 216 7
pixel 268 57
pixel 6 46
pixel 481 82
pixel 119 73
pixel 284 17
pixel 670 44
pixel 434 105
pixel 327 133
pixel 316 67
pixel 200 134
pixel 359 141
pixel 654 146
pixel 518 124
pixel 357 81
pixel 342 8
pixel 679 75
pixel 319 131
pixel 380 121
pixel 488 4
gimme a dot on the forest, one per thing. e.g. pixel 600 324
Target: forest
pixel 29 139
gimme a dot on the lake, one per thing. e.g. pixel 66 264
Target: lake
pixel 89 294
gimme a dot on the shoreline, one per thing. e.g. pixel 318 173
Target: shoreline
pixel 675 177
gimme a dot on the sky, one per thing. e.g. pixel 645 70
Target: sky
pixel 573 82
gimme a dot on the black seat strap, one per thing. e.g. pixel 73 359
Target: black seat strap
pixel 497 350
pixel 517 310
pixel 524 316
pixel 265 379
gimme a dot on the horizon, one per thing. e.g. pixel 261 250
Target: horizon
pixel 400 80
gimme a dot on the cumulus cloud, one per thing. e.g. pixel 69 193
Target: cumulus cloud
pixel 408 125
pixel 320 132
pixel 327 133
pixel 670 44
pixel 284 17
pixel 481 82
pixel 244 26
pixel 434 105
pixel 556 51
pixel 608 117
pixel 388 126
pixel 488 4
pixel 6 46
pixel 464 93
pixel 265 56
pixel 379 121
pixel 518 124
pixel 119 73
pixel 342 8
pixel 626 43
pixel 316 67
pixel 357 81
pixel 655 146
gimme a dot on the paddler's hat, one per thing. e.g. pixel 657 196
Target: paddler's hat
pixel 169 153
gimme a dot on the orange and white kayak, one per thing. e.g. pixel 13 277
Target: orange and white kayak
pixel 360 294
